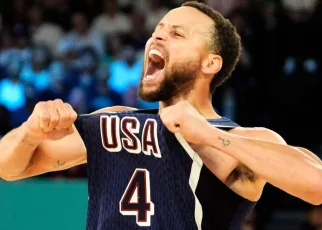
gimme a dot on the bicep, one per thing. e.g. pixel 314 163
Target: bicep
pixel 310 154
pixel 271 136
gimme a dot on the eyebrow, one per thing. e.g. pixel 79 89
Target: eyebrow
pixel 172 26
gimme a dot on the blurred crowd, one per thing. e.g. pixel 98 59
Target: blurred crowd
pixel 89 53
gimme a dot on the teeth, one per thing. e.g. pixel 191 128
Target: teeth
pixel 155 52
pixel 149 77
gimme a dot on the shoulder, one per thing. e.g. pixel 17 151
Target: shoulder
pixel 113 109
pixel 262 133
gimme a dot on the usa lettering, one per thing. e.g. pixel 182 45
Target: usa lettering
pixel 112 140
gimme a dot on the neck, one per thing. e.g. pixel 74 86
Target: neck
pixel 202 104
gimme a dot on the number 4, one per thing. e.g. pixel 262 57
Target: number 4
pixel 136 198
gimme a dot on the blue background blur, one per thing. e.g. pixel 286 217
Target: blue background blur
pixel 89 53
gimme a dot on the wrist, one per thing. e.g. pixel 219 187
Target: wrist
pixel 30 137
pixel 211 136
pixel 218 139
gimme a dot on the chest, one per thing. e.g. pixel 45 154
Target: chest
pixel 130 135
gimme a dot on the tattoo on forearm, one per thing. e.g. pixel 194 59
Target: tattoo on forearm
pixel 225 143
pixel 59 164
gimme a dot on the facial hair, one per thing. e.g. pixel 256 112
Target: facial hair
pixel 178 81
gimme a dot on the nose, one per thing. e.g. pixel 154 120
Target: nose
pixel 160 35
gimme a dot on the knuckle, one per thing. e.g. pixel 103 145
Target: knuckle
pixel 58 101
pixel 54 120
pixel 64 118
pixel 39 104
pixel 73 116
pixel 68 105
pixel 48 103
pixel 44 116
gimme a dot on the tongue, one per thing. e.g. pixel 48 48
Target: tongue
pixel 153 67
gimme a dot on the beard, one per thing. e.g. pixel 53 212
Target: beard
pixel 179 80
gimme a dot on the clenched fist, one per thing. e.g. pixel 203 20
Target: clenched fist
pixel 51 120
pixel 184 119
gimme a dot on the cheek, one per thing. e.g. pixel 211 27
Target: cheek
pixel 183 55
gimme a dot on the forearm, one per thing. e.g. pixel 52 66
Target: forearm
pixel 17 150
pixel 281 165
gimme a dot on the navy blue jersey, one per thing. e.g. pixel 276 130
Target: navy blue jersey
pixel 140 175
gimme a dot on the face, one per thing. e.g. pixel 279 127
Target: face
pixel 173 55
pixel 79 22
pixel 36 15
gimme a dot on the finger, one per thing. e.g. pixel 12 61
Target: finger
pixel 173 128
pixel 64 118
pixel 171 124
pixel 71 112
pixel 54 117
pixel 70 130
pixel 43 115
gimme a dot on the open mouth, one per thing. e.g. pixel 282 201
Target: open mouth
pixel 155 64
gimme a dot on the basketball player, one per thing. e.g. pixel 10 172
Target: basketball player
pixel 181 167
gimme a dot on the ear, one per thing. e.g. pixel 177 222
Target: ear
pixel 211 64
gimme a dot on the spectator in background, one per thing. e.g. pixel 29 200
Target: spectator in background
pixel 112 21
pixel 138 34
pixel 8 49
pixel 14 45
pixel 125 72
pixel 314 219
pixel 88 62
pixel 89 86
pixel 15 13
pixel 105 97
pixel 12 92
pixel 78 100
pixel 64 70
pixel 113 50
pixel 82 36
pixel 154 13
pixel 22 43
pixel 43 32
pixel 58 12
pixel 36 72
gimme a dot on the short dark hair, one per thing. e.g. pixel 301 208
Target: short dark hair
pixel 225 42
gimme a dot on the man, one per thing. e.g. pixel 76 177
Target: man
pixel 140 173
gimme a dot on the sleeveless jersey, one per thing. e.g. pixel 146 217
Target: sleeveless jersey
pixel 140 175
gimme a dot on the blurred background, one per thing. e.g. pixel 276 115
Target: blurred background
pixel 89 53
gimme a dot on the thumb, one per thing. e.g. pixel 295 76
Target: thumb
pixel 174 128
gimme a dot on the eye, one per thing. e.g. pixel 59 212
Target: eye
pixel 176 34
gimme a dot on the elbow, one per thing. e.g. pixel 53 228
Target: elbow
pixel 9 176
pixel 9 179
pixel 316 192
pixel 316 200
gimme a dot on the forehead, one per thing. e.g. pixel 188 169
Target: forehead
pixel 189 18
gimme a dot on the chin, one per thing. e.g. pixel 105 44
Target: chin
pixel 148 95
